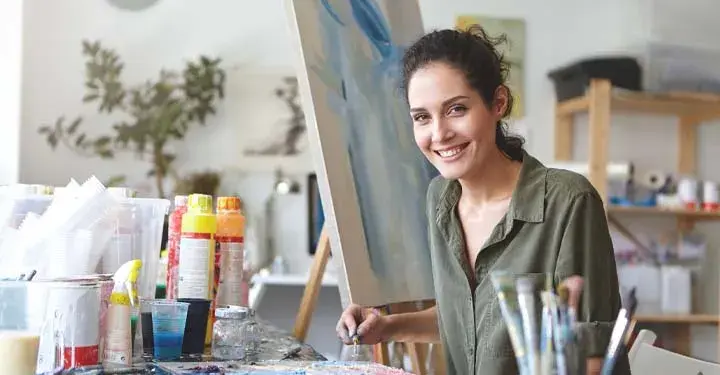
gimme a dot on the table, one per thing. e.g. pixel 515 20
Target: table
pixel 276 346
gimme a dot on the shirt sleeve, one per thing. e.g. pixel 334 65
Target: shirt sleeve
pixel 586 250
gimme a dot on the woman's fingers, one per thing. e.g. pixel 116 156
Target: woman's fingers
pixel 347 325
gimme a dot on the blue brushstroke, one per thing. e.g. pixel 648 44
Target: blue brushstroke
pixel 390 174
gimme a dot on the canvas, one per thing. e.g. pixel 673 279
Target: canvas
pixel 372 178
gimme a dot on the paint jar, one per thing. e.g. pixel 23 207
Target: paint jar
pixel 105 282
pixel 236 333
pixel 688 193
pixel 711 201
pixel 78 304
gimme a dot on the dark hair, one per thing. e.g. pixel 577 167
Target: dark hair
pixel 476 55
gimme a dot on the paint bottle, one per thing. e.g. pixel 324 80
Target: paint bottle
pixel 196 270
pixel 196 267
pixel 118 339
pixel 230 251
pixel 173 244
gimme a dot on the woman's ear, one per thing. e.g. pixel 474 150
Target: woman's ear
pixel 501 101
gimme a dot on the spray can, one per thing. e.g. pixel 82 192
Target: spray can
pixel 196 270
pixel 173 244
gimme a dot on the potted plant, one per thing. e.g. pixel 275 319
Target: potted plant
pixel 153 114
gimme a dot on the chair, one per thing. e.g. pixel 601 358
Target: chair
pixel 648 359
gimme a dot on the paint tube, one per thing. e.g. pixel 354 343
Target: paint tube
pixel 507 298
pixel 526 302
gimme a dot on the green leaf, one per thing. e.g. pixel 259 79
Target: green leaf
pixel 52 140
pixel 151 173
pixel 115 181
pixel 79 140
pixel 44 129
pixel 74 126
pixel 102 141
pixel 106 154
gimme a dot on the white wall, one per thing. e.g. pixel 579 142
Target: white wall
pixel 251 36
pixel 11 36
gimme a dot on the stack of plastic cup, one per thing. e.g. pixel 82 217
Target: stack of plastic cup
pixel 168 320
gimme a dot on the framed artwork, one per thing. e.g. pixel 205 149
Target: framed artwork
pixel 372 178
pixel 316 217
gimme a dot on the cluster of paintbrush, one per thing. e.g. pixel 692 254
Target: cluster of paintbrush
pixel 541 322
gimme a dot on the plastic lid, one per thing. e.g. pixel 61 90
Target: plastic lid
pixel 228 203
pixel 181 200
pixel 200 202
pixel 234 312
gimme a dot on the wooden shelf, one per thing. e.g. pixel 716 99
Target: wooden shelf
pixel 600 102
pixel 704 106
pixel 678 319
pixel 675 212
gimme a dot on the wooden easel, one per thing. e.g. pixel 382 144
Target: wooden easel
pixel 418 352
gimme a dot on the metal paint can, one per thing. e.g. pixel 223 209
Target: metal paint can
pixel 77 303
pixel 106 287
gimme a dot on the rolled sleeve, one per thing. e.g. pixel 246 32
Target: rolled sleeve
pixel 586 250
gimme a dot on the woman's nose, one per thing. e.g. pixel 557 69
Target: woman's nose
pixel 441 132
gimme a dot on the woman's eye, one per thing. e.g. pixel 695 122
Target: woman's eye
pixel 457 109
pixel 420 117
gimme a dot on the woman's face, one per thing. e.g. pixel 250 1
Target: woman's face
pixel 453 125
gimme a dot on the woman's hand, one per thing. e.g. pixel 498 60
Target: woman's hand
pixel 368 324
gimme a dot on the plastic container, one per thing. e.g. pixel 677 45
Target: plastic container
pixel 20 204
pixel 138 235
pixel 21 334
pixel 672 67
pixel 168 319
pixel 196 325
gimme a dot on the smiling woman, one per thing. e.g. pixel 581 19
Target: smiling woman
pixel 494 207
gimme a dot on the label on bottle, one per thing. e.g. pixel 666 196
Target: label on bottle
pixel 231 273
pixel 194 269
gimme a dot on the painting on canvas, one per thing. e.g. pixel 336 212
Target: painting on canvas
pixel 372 178
pixel 513 50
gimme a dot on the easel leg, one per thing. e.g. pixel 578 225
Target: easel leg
pixel 312 289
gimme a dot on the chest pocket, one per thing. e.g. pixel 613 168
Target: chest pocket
pixel 492 334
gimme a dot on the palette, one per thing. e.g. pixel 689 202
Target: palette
pixel 281 368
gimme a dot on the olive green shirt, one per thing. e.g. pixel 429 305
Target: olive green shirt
pixel 555 225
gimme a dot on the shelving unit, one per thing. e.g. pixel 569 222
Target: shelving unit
pixel 691 109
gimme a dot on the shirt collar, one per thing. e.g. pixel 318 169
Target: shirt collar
pixel 527 202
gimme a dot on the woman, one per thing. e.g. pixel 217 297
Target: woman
pixel 493 207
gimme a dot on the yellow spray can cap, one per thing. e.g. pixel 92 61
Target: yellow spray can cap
pixel 201 203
